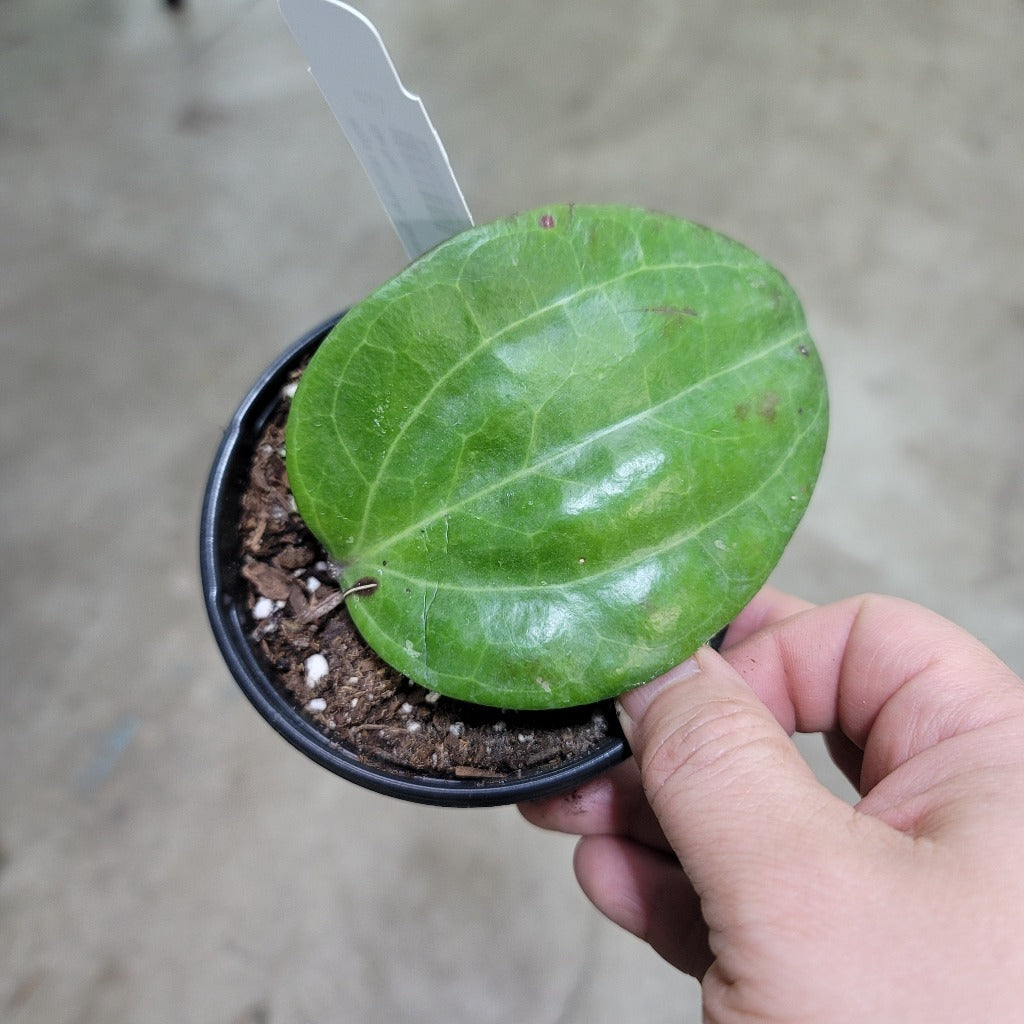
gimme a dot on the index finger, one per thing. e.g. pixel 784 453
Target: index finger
pixel 892 676
pixel 767 607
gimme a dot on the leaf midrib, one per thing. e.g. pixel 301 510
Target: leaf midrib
pixel 568 450
pixel 485 344
pixel 639 555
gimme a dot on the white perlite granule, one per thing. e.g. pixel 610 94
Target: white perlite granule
pixel 316 669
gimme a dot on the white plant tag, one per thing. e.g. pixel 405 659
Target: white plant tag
pixel 387 126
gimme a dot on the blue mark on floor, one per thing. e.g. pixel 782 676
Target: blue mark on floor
pixel 113 745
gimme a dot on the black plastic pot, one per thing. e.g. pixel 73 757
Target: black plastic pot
pixel 225 592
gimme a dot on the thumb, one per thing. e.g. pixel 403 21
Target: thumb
pixel 732 794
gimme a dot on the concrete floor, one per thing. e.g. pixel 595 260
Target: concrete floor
pixel 176 204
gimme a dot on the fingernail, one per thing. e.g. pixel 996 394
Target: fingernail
pixel 633 703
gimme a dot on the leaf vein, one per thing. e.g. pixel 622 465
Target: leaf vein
pixel 485 343
pixel 565 452
pixel 638 557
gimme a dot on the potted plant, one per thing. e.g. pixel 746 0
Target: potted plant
pixel 543 464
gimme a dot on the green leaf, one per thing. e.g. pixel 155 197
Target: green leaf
pixel 568 447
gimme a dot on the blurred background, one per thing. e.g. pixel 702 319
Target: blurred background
pixel 177 205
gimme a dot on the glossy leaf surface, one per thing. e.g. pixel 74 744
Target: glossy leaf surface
pixel 567 447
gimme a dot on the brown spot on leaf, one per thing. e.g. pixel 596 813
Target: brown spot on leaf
pixel 768 406
pixel 671 310
pixel 742 412
pixel 547 221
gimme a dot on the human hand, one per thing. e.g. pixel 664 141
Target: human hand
pixel 719 847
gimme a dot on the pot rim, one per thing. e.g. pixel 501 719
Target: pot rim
pixel 226 610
